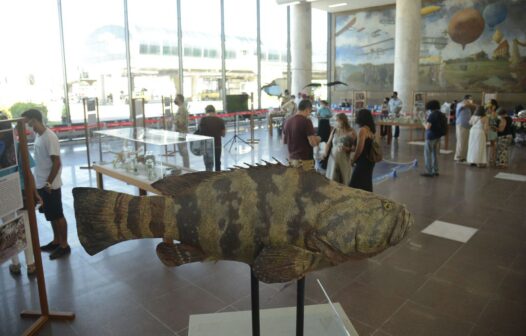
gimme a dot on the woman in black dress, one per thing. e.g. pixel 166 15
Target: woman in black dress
pixel 362 175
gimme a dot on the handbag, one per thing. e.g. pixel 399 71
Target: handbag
pixel 375 154
pixel 197 147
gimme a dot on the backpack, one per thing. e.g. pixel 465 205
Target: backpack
pixel 442 123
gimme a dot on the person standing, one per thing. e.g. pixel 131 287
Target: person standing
pixel 385 115
pixel 289 108
pixel 504 139
pixel 181 126
pixel 300 137
pixel 338 150
pixel 213 126
pixel 362 175
pixel 462 116
pixel 324 115
pixel 477 153
pixel 48 168
pixel 395 107
pixel 493 121
pixel 434 125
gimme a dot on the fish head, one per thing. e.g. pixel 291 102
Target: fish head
pixel 362 225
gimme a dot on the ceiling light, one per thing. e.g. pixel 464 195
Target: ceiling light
pixel 294 3
pixel 338 5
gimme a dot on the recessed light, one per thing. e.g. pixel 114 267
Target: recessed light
pixel 338 5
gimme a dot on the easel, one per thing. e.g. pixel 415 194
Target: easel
pixel 44 315
pixel 236 137
pixel 90 105
pixel 167 110
pixel 254 298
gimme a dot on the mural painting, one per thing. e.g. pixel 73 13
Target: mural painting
pixel 467 45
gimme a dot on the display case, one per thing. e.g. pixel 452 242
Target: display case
pixel 138 156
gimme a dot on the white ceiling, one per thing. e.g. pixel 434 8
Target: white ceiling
pixel 350 4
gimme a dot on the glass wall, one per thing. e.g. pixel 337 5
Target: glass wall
pixel 153 52
pixel 96 57
pixel 30 61
pixel 201 23
pixel 273 49
pixel 95 53
pixel 319 52
pixel 241 48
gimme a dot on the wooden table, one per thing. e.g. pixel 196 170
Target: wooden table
pixel 406 125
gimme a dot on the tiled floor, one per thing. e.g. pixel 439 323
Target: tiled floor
pixel 426 285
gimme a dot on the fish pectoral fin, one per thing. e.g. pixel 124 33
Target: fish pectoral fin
pixel 283 264
pixel 178 254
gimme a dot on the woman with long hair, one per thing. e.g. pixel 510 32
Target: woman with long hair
pixel 477 152
pixel 493 121
pixel 338 150
pixel 504 139
pixel 362 175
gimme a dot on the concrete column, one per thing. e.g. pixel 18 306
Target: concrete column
pixel 301 46
pixel 407 51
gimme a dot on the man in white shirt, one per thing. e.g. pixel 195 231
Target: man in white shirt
pixel 48 183
pixel 395 107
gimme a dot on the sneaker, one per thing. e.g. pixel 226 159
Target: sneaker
pixel 427 175
pixel 60 252
pixel 50 247
pixel 31 269
pixel 15 269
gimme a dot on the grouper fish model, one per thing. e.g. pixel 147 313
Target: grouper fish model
pixel 283 221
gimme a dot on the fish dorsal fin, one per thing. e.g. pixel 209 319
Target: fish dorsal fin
pixel 176 184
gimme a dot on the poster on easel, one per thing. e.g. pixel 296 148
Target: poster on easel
pixel 359 100
pixel 10 196
pixel 13 238
pixel 487 97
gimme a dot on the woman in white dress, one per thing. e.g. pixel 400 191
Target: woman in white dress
pixel 477 151
pixel 340 145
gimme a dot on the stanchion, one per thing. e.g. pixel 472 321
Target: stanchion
pixel 254 296
pixel 300 307
pixel 252 140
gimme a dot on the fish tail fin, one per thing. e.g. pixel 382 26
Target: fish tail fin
pixel 105 218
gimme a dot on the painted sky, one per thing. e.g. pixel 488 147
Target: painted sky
pixel 378 26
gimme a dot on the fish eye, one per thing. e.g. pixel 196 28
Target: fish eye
pixel 388 205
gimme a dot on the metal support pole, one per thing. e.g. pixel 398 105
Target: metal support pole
pixel 63 57
pixel 223 56
pixel 329 55
pixel 289 54
pixel 180 47
pixel 300 305
pixel 258 41
pixel 254 296
pixel 128 61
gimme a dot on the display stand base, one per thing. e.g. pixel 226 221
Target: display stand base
pixel 319 320
pixel 236 138
pixel 43 319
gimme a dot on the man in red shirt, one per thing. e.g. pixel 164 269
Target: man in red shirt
pixel 300 137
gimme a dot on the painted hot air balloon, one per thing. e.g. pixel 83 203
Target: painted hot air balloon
pixel 495 14
pixel 466 26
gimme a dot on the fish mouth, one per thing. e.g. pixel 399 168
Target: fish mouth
pixel 404 222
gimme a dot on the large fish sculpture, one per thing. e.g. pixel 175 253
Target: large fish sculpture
pixel 283 221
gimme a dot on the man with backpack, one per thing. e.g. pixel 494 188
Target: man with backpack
pixel 436 127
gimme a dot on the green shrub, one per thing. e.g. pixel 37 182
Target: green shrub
pixel 18 108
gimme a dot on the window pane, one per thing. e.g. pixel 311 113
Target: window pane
pixel 273 46
pixel 241 45
pixel 155 73
pixel 30 62
pixel 202 73
pixel 96 56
